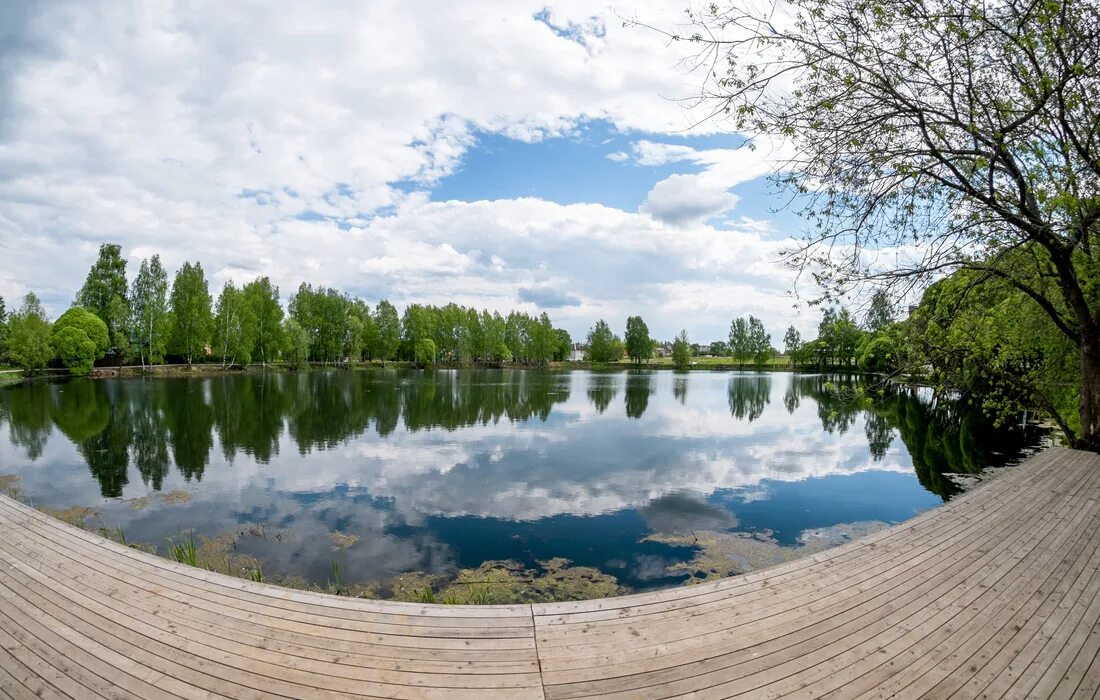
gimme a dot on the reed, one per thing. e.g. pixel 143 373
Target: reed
pixel 184 551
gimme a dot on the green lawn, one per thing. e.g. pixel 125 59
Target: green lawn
pixel 779 361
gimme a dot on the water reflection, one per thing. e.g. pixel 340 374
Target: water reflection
pixel 639 387
pixel 442 469
pixel 680 389
pixel 602 389
pixel 748 395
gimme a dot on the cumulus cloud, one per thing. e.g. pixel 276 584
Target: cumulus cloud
pixel 301 144
pixel 548 297
pixel 683 199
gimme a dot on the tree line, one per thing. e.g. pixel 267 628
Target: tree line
pixel 149 320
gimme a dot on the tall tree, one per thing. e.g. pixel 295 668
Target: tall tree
pixel 389 330
pixel 563 345
pixel 192 320
pixel 149 310
pixel 234 326
pixel 542 339
pixel 760 341
pixel 262 298
pixel 603 345
pixel 965 130
pixel 792 343
pixel 739 345
pixel 106 283
pixel 880 315
pixel 295 343
pixel 29 335
pixel 681 351
pixel 639 346
pixel 3 331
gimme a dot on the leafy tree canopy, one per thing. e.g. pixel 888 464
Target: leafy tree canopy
pixel 92 326
pixel 963 131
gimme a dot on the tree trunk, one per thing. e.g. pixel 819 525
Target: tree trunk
pixel 1089 436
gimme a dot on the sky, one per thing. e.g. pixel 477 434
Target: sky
pixel 497 154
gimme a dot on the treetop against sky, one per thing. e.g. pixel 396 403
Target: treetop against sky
pixel 515 156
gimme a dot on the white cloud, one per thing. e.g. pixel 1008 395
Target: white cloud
pixel 242 136
pixel 683 199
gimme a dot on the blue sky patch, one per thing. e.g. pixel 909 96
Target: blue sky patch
pixel 567 169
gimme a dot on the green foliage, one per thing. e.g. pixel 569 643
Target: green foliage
pixel 261 300
pixel 324 314
pixel 989 340
pixel 184 550
pixel 739 345
pixel 543 340
pixel 719 349
pixel 149 319
pixel 79 338
pixel 878 353
pixel 104 290
pixel 425 351
pixel 295 344
pixel 29 336
pixel 603 345
pixel 963 131
pixel 880 315
pixel 192 320
pixel 563 345
pixel 839 338
pixel 681 351
pixel 792 343
pixel 75 348
pixel 639 346
pixel 93 328
pixel 389 330
pixel 749 340
pixel 235 326
pixel 760 342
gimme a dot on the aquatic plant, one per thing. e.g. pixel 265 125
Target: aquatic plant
pixel 334 577
pixel 184 551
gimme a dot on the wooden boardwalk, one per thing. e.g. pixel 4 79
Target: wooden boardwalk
pixel 996 594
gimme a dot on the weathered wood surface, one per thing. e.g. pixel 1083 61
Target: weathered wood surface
pixel 996 594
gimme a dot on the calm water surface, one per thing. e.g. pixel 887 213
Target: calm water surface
pixel 442 470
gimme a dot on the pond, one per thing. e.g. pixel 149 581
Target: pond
pixel 488 485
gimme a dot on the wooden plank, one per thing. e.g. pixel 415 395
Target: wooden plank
pixel 185 613
pixel 227 670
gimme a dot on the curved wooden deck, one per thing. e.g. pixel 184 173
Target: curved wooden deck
pixel 996 594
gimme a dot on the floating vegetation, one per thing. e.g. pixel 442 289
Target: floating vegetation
pixel 140 503
pixel 174 498
pixel 77 516
pixel 722 554
pixel 509 581
pixel 9 485
pixel 342 540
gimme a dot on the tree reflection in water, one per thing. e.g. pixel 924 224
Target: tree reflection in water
pixel 154 424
